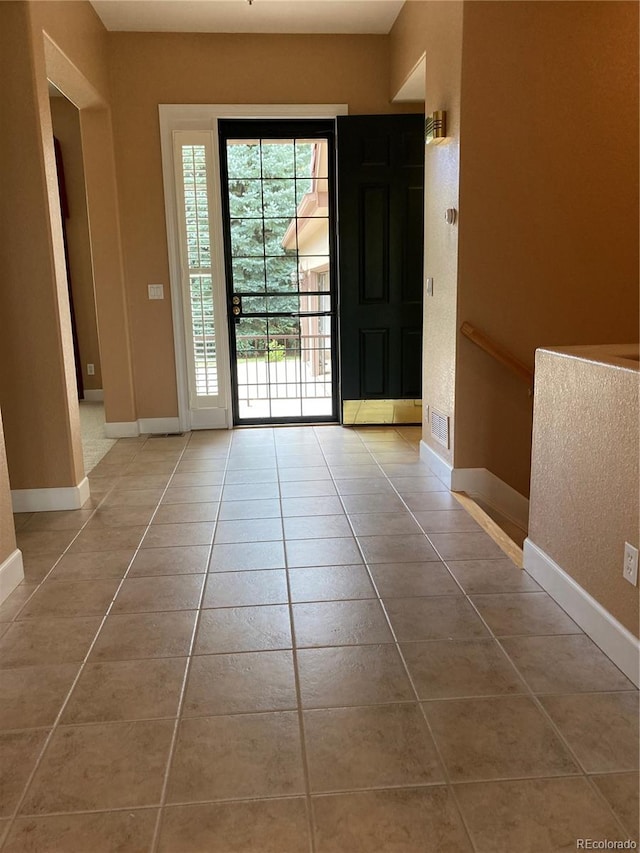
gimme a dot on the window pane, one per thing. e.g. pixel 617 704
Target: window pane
pixel 279 236
pixel 245 197
pixel 278 158
pixel 247 238
pixel 312 197
pixel 254 305
pixel 312 158
pixel 248 275
pixel 313 236
pixel 279 197
pixel 243 159
pixel 282 273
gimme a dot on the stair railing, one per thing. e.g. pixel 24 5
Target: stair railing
pixel 498 352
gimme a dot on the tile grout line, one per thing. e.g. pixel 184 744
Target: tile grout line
pixel 87 724
pixel 443 766
pixel 183 688
pixel 528 690
pixel 329 793
pixel 534 697
pixel 83 663
pixel 294 652
pixel 81 529
pixel 546 716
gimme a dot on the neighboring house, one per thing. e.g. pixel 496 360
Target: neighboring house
pixel 312 235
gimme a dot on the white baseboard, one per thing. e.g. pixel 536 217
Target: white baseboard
pixel 124 429
pixel 208 419
pixel 493 491
pixel 132 429
pixel 11 574
pixel 158 425
pixel 611 636
pixel 95 395
pixel 481 483
pixel 49 500
pixel 440 468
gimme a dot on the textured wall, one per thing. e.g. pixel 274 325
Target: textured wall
pixel 548 203
pixel 70 47
pixel 435 28
pixel 148 69
pixel 584 475
pixel 37 376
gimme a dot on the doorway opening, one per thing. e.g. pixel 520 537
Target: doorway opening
pixel 65 118
pixel 279 237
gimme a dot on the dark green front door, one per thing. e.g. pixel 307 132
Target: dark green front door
pixel 380 238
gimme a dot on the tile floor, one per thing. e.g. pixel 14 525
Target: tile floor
pixel 294 640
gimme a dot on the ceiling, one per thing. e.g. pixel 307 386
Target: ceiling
pixel 238 16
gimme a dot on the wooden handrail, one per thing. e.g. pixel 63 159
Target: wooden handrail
pixel 496 351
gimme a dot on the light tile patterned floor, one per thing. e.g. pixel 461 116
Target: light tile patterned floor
pixel 294 641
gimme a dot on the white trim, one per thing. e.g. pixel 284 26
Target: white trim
pixel 493 491
pixel 11 574
pixel 205 117
pixel 123 429
pixel 94 395
pixel 132 429
pixel 481 483
pixel 209 419
pixel 158 425
pixel 611 636
pixel 440 468
pixel 49 500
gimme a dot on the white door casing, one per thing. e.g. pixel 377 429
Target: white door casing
pixel 197 125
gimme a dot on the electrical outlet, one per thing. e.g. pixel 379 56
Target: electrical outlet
pixel 91 370
pixel 630 567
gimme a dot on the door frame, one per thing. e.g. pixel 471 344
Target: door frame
pixel 204 117
pixel 273 131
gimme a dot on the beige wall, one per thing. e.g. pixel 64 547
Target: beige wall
pixel 548 203
pixel 7 530
pixel 37 378
pixel 435 28
pixel 152 68
pixel 66 128
pixel 79 34
pixel 584 477
pixel 70 47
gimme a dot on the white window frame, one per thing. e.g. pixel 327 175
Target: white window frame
pixel 182 138
pixel 204 118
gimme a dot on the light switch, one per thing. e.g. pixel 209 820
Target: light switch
pixel 429 286
pixel 156 291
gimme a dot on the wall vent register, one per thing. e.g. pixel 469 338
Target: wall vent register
pixel 440 428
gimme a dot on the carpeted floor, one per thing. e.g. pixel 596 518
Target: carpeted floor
pixel 94 442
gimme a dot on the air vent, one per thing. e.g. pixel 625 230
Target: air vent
pixel 440 428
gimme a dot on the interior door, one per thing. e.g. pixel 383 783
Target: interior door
pixel 278 217
pixel 380 235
